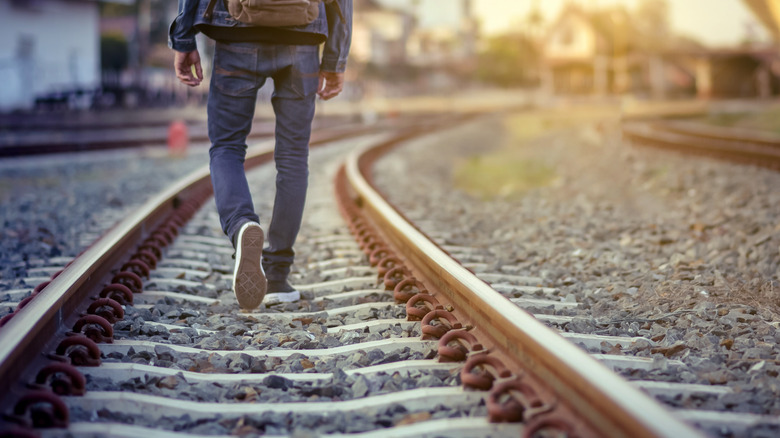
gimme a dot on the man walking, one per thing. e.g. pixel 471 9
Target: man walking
pixel 247 53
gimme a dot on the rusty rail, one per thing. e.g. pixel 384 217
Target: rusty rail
pixel 727 144
pixel 69 303
pixel 536 376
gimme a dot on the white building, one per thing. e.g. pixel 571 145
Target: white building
pixel 47 46
pixel 379 33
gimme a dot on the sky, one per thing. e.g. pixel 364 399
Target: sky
pixel 716 23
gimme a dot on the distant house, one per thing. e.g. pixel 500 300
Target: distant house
pixel 591 53
pixel 387 36
pixel 451 45
pixel 604 52
pixel 737 73
pixel 379 34
pixel 50 50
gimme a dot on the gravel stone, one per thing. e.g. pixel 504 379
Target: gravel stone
pixel 682 250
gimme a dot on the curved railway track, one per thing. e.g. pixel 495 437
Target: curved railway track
pixel 353 339
pixel 729 144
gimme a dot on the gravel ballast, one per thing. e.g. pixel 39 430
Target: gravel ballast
pixel 679 249
pixel 56 205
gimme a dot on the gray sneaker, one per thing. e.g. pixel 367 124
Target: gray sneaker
pixel 249 282
pixel 281 292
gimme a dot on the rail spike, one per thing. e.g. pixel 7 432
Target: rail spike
pixel 369 242
pixel 63 378
pixel 387 264
pixel 146 256
pixel 45 409
pixel 152 248
pixel 457 353
pixel 395 276
pixel 107 308
pixel 402 291
pixel 513 401
pixel 95 327
pixel 492 368
pixel 137 266
pixel 431 331
pixel 81 350
pixel 414 313
pixel 129 279
pixel 118 292
pixel 378 253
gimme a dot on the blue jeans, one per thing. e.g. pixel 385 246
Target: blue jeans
pixel 240 69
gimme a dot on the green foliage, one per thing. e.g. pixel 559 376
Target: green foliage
pixel 116 10
pixel 509 61
pixel 502 175
pixel 113 52
pixel 513 169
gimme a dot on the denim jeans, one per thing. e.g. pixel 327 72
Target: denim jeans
pixel 240 69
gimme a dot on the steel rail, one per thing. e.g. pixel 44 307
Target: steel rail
pixel 606 402
pixel 38 326
pixel 756 149
pixel 719 133
pixel 41 324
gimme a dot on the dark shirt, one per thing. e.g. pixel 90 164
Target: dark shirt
pixel 261 35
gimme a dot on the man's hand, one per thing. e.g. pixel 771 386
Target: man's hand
pixel 330 84
pixel 183 62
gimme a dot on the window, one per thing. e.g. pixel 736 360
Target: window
pixel 567 36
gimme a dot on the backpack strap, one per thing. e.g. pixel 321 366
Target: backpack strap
pixel 210 9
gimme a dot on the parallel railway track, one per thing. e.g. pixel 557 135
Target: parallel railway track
pixel 334 345
pixel 728 144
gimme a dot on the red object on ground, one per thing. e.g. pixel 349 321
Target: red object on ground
pixel 178 139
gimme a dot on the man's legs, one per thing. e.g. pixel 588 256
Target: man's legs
pixel 293 102
pixel 231 108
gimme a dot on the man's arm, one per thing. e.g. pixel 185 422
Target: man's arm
pixel 181 34
pixel 336 50
pixel 181 38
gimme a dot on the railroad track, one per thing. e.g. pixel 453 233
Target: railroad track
pixel 655 347
pixel 351 340
pixel 729 144
pixel 80 134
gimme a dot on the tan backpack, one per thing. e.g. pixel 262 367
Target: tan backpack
pixel 274 13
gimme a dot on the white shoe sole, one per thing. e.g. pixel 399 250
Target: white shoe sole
pixel 282 297
pixel 249 282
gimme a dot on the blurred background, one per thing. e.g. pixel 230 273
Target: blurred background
pixel 87 55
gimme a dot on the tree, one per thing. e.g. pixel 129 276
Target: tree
pixel 113 52
pixel 652 17
pixel 509 61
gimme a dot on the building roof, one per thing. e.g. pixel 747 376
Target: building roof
pixel 614 26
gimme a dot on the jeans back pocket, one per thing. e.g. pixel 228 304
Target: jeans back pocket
pixel 235 69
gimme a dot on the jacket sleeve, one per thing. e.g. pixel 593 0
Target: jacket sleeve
pixel 181 34
pixel 336 50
